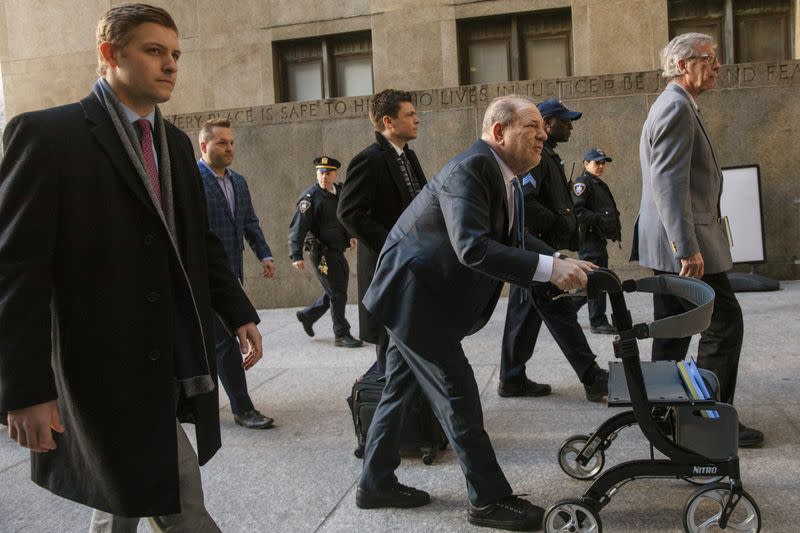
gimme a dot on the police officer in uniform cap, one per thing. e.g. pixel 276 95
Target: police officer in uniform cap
pixel 598 222
pixel 550 216
pixel 316 229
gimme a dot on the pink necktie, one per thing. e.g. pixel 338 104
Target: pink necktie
pixel 146 140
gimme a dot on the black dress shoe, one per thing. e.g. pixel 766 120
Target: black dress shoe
pixel 511 513
pixel 604 329
pixel 3 419
pixel 306 324
pixel 526 388
pixel 347 341
pixel 596 386
pixel 749 437
pixel 397 496
pixel 252 419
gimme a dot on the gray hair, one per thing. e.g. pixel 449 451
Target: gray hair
pixel 503 109
pixel 683 46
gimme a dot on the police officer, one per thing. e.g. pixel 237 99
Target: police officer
pixel 316 229
pixel 549 215
pixel 598 222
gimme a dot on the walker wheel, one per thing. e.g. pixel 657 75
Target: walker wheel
pixel 568 453
pixel 427 459
pixel 572 515
pixel 704 509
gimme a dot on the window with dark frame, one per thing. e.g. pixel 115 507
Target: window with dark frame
pixel 515 47
pixel 324 67
pixel 746 30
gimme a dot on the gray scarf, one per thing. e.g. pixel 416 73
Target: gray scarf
pixel 192 372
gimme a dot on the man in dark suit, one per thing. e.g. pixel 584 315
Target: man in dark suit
pixel 679 230
pixel 381 182
pixel 109 274
pixel 232 219
pixel 438 280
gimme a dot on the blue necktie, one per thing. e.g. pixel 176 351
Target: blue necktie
pixel 519 225
pixel 519 214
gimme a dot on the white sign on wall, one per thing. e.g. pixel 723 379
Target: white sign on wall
pixel 741 203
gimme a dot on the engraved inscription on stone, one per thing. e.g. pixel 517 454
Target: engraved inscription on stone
pixel 478 96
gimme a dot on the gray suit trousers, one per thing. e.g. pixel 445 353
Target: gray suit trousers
pixel 193 516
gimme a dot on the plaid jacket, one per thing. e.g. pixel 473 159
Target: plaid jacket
pixel 232 229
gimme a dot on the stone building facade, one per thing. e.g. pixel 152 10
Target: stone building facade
pixel 294 76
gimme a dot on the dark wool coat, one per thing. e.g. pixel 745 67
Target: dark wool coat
pixel 93 306
pixel 373 198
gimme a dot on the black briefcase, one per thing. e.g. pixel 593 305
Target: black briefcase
pixel 422 433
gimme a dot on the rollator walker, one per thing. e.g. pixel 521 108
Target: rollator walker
pixel 699 447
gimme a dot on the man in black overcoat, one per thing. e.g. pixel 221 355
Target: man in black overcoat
pixel 438 280
pixel 381 182
pixel 108 276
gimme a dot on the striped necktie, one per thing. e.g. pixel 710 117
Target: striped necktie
pixel 408 175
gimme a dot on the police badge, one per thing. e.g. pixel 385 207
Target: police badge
pixel 579 188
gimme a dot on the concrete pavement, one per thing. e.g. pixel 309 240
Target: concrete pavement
pixel 301 475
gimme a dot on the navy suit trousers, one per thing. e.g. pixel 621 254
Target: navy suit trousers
pixel 449 385
pixel 230 370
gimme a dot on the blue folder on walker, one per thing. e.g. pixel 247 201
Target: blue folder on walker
pixel 694 385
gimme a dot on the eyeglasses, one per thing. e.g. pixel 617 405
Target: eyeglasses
pixel 708 58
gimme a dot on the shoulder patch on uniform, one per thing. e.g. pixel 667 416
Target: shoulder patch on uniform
pixel 579 188
pixel 303 205
pixel 528 179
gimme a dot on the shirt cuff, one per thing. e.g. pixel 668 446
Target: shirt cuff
pixel 544 269
pixel 268 258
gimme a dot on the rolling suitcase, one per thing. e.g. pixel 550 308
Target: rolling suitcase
pixel 422 433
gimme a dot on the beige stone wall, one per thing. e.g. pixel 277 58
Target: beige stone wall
pixel 47 48
pixel 613 36
pixel 277 143
pixel 227 68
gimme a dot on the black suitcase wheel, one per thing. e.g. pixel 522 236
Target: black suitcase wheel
pixel 428 459
pixel 359 452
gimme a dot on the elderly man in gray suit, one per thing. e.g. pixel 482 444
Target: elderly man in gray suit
pixel 679 229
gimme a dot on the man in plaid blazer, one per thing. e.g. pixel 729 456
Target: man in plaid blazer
pixel 232 218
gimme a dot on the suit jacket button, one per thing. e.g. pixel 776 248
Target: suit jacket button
pixel 148 239
pixel 153 297
pixel 154 355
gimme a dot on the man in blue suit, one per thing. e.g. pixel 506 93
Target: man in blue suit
pixel 438 280
pixel 232 218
